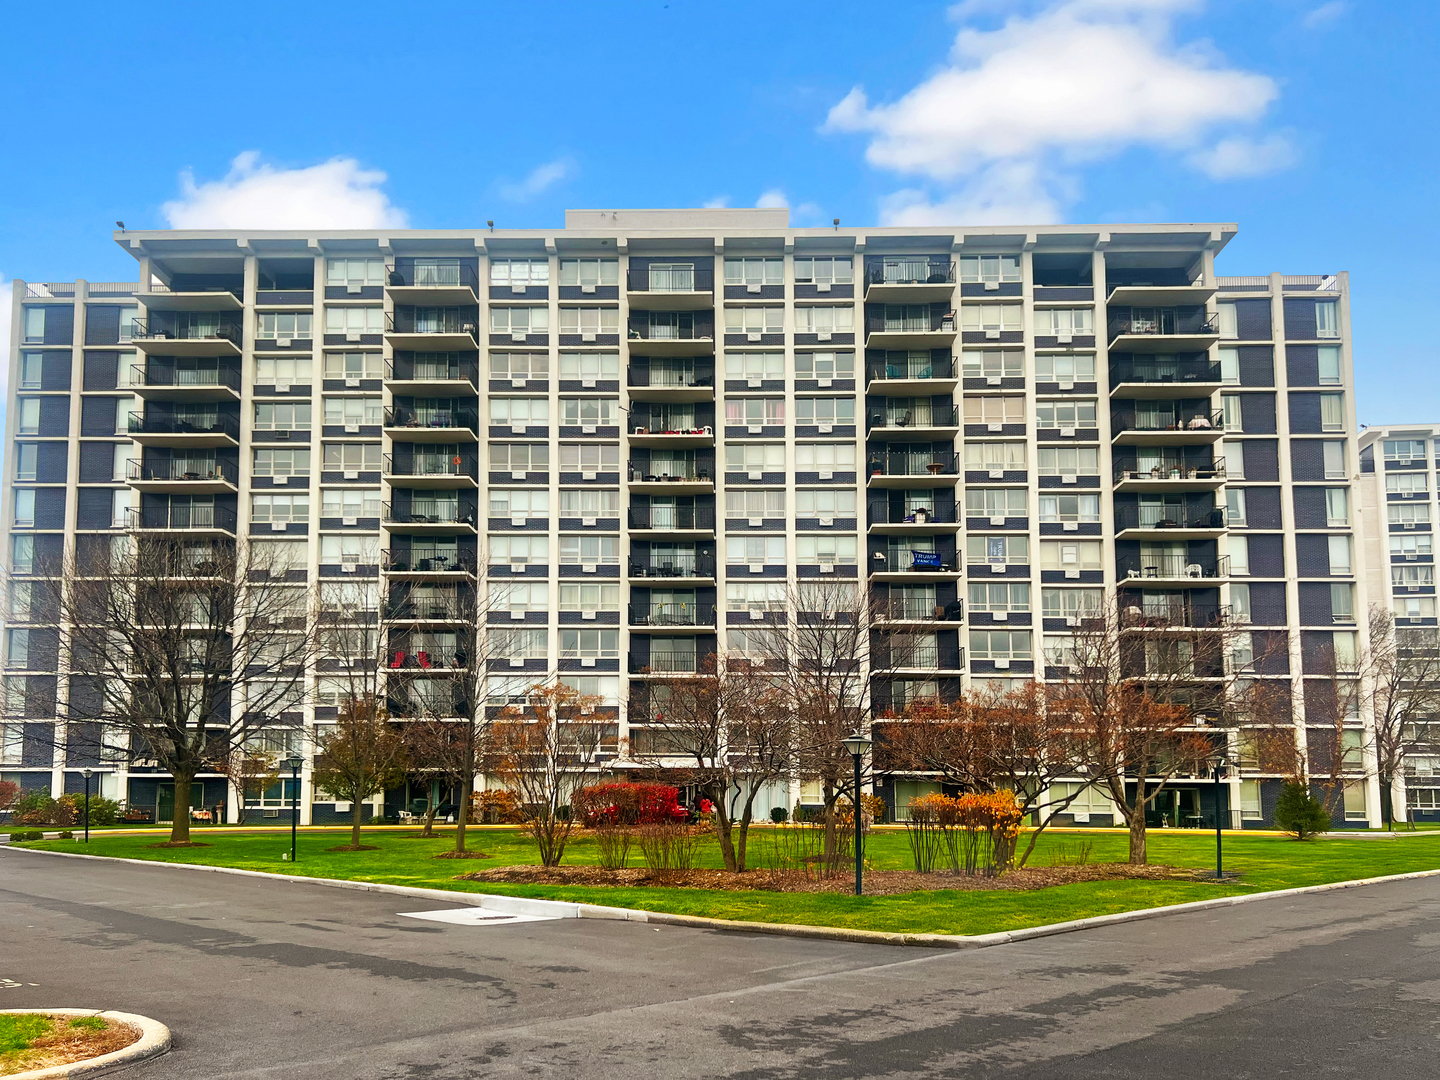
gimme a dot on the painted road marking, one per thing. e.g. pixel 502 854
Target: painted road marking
pixel 473 916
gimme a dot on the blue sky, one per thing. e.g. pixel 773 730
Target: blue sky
pixel 1308 122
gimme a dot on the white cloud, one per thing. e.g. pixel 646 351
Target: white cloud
pixel 538 181
pixel 1238 156
pixel 772 198
pixel 1038 94
pixel 1323 15
pixel 720 202
pixel 337 194
pixel 1006 193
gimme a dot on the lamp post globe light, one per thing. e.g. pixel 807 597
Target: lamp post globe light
pixel 857 744
pixel 1220 763
pixel 294 762
pixel 87 773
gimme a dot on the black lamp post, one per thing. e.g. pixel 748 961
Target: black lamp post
pixel 857 744
pixel 87 773
pixel 1220 764
pixel 294 763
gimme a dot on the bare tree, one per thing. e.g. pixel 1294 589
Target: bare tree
pixel 360 756
pixel 824 641
pixel 544 749
pixel 990 739
pixel 1145 688
pixel 181 650
pixel 729 729
pixel 441 749
pixel 1401 683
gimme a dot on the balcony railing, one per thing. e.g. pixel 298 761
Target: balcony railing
pixel 917 416
pixel 443 369
pixel 670 279
pixel 670 377
pixel 183 470
pixel 427 558
pixel 902 561
pixel 403 416
pixel 1163 321
pixel 912 272
pixel 674 566
pixel 642 329
pixel 442 275
pixel 186 378
pixel 432 321
pixel 1168 517
pixel 672 614
pixel 917 324
pixel 1198 419
pixel 430 513
pixel 434 465
pixel 141 424
pixel 667 661
pixel 672 517
pixel 1172 469
pixel 915 609
pixel 920 515
pixel 1179 370
pixel 911 368
pixel 913 463
pixel 678 422
pixel 168 331
pixel 1158 613
pixel 674 471
pixel 182 516
pixel 1180 566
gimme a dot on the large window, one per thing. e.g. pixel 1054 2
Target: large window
pixel 587 597
pixel 352 365
pixel 755 320
pixel 990 318
pixel 758 551
pixel 1068 460
pixel 995 456
pixel 589 644
pixel 755 596
pixel 825 410
pixel 519 320
pixel 589 321
pixel 280 509
pixel 1063 322
pixel 353 411
pixel 355 273
pixel 824 270
pixel 519 597
pixel 1327 319
pixel 997 550
pixel 825 502
pixel 1071 555
pixel 519 550
pixel 589 550
pixel 1069 508
pixel 825 365
pixel 996 502
pixel 755 412
pixel 28 423
pixel 755 366
pixel 589 457
pixel 823 456
pixel 282 324
pixel 1332 412
pixel 1000 596
pixel 519 502
pixel 589 411
pixel 287 417
pixel 589 273
pixel 1065 367
pixel 589 502
pixel 352 503
pixel 1403 451
pixel 354 320
pixel 285 463
pixel 825 320
pixel 1000 645
pixel 352 457
pixel 519 412
pixel 755 271
pixel 507 365
pixel 285 370
pixel 825 548
pixel 521 272
pixel 1408 514
pixel 988 268
pixel 759 503
pixel 995 364
pixel 589 366
pixel 995 409
pixel 1079 413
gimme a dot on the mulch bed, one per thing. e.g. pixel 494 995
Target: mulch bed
pixel 877 882
pixel 461 855
pixel 66 1045
pixel 180 843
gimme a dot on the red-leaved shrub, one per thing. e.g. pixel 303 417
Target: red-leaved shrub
pixel 626 804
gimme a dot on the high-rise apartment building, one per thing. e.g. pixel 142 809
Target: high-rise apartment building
pixel 632 436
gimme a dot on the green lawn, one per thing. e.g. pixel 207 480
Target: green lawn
pixel 402 859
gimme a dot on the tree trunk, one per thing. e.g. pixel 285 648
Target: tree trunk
pixel 429 829
pixel 1137 836
pixel 727 840
pixel 744 830
pixel 357 808
pixel 180 827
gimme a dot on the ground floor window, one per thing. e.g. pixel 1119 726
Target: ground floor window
pixel 1250 800
pixel 906 791
pixel 1355 801
pixel 1089 800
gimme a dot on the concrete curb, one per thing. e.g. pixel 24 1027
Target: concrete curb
pixel 557 909
pixel 154 1040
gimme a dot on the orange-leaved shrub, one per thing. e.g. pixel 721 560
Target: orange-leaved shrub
pixel 966 834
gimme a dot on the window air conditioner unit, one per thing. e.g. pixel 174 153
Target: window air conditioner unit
pixel 997 568
pixel 285 434
pixel 351 474
pixel 352 380
pixel 352 335
pixel 1069 478
pixel 588 615
pixel 997 520
pixel 282 387
pixel 753 335
pixel 1071 620
pixel 753 381
pixel 992 286
pixel 992 380
pixel 757 567
pixel 1409 556
pixel 1073 574
pixel 514 662
pixel 282 480
pixel 1064 338
pixel 587 288
pixel 756 522
pixel 824 335
pixel 517 614
pixel 825 429
pixel 354 290
pixel 347 568
pixel 351 428
pixel 517 567
pixel 754 429
pixel 282 343
pixel 1001 665
pixel 517 429
pixel 520 289
pixel 349 521
pixel 997 474
pixel 827 568
pixel 277 526
pixel 587 383
pixel 823 286
pixel 826 474
pixel 1000 616
pixel 995 427
pixel 587 474
pixel 826 522
pixel 518 338
pixel 587 429
pixel 1409 524
pixel 1067 432
pixel 517 474
pixel 517 520
pixel 757 614
pixel 517 383
pixel 992 335
pixel 1066 385
pixel 587 661
pixel 1069 526
pixel 587 522
pixel 587 335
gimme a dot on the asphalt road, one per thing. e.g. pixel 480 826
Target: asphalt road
pixel 260 978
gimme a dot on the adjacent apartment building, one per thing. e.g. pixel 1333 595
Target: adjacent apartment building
pixel 645 427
